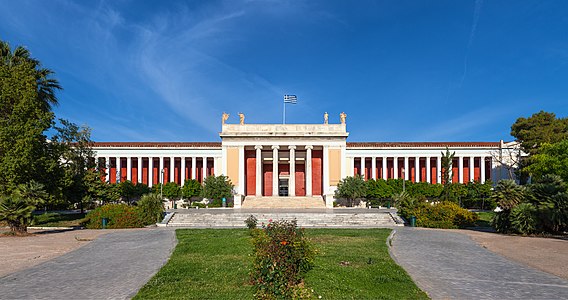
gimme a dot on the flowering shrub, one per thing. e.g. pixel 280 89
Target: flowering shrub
pixel 251 222
pixel 282 257
pixel 118 215
pixel 442 215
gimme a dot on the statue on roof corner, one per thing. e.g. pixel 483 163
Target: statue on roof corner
pixel 342 117
pixel 225 118
pixel 325 118
pixel 241 118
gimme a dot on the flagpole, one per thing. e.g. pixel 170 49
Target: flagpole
pixel 284 114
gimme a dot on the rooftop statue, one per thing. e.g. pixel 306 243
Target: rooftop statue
pixel 325 118
pixel 241 118
pixel 342 117
pixel 225 118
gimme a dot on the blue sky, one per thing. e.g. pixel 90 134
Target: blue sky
pixel 401 70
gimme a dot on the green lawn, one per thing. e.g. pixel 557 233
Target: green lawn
pixel 485 218
pixel 52 219
pixel 215 264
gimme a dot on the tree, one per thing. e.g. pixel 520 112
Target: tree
pixel 552 159
pixel 447 163
pixel 26 95
pixel 75 148
pixel 217 187
pixel 33 192
pixel 150 208
pixel 351 188
pixel 542 127
pixel 191 188
pixel 172 191
pixel 507 194
pixel 16 212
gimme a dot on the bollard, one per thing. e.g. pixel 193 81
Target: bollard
pixel 105 222
pixel 413 221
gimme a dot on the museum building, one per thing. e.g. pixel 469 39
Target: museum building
pixel 295 160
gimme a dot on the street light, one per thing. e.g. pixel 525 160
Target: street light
pixel 403 182
pixel 162 184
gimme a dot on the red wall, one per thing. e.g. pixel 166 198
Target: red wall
pixel 250 172
pixel 317 157
pixel 300 180
pixel 267 176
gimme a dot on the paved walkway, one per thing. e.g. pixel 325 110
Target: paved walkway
pixel 114 266
pixel 449 265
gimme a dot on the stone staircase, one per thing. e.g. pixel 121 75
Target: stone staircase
pixel 252 202
pixel 229 218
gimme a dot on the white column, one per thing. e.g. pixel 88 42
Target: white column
pixel 471 168
pixel 438 169
pixel 460 169
pixel 118 169
pixel 428 170
pixel 139 169
pixel 204 170
pixel 362 171
pixel 353 166
pixel 275 170
pixel 309 170
pixel 417 169
pixel 395 167
pixel 129 168
pixel 406 175
pixel 325 171
pixel 292 181
pixel 150 171
pixel 214 170
pixel 384 162
pixel 182 173
pixel 258 170
pixel 242 166
pixel 172 169
pixel 374 167
pixel 482 169
pixel 193 168
pixel 161 170
pixel 107 162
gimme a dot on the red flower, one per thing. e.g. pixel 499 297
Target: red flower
pixel 283 243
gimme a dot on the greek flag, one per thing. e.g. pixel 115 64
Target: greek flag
pixel 290 99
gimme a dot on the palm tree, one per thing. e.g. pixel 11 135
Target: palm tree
pixel 16 212
pixel 507 194
pixel 46 86
pixel 33 192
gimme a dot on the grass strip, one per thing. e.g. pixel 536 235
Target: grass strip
pixel 215 264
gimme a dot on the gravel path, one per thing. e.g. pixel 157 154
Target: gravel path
pixel 450 265
pixel 114 266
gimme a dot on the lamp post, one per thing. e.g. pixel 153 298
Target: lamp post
pixel 162 184
pixel 403 182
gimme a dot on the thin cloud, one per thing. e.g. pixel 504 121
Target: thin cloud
pixel 476 14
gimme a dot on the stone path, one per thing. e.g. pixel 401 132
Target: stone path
pixel 449 265
pixel 114 266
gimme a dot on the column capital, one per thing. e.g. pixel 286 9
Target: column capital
pixel 275 147
pixel 310 147
pixel 292 147
pixel 258 147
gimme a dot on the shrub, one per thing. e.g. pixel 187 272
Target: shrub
pixel 501 221
pixel 524 218
pixel 251 222
pixel 17 213
pixel 282 257
pixel 118 215
pixel 443 215
pixel 150 209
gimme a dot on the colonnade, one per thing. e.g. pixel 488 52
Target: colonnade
pixel 162 168
pixel 418 176
pixel 275 162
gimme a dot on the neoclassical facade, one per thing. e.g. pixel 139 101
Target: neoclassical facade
pixel 295 160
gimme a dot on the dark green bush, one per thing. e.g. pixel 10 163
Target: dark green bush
pixel 501 221
pixel 150 209
pixel 282 257
pixel 118 215
pixel 524 218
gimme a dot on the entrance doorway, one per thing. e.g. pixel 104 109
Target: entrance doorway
pixel 283 187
